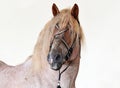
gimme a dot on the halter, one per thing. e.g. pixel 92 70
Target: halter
pixel 69 50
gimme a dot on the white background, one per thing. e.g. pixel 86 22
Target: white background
pixel 22 20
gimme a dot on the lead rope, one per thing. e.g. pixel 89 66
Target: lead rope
pixel 60 73
pixel 58 85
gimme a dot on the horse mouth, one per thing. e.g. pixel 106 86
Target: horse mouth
pixel 56 66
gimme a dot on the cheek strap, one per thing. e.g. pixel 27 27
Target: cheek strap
pixel 71 48
pixel 76 49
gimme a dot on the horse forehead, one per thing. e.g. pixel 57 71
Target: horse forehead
pixel 64 20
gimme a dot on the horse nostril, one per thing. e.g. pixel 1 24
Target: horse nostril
pixel 57 58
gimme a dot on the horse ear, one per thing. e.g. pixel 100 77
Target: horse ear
pixel 75 11
pixel 55 9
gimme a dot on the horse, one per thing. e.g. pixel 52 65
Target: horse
pixel 56 57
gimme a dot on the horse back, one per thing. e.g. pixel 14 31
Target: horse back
pixel 2 65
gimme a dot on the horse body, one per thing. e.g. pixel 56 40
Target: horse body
pixel 9 75
pixel 22 76
pixel 36 72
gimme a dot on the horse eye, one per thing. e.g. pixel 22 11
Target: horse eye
pixel 57 26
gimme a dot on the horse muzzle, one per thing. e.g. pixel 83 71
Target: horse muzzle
pixel 55 60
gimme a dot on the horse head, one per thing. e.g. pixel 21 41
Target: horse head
pixel 65 40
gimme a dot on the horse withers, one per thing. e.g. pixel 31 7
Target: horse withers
pixel 56 57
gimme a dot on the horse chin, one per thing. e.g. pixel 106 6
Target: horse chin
pixel 56 66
